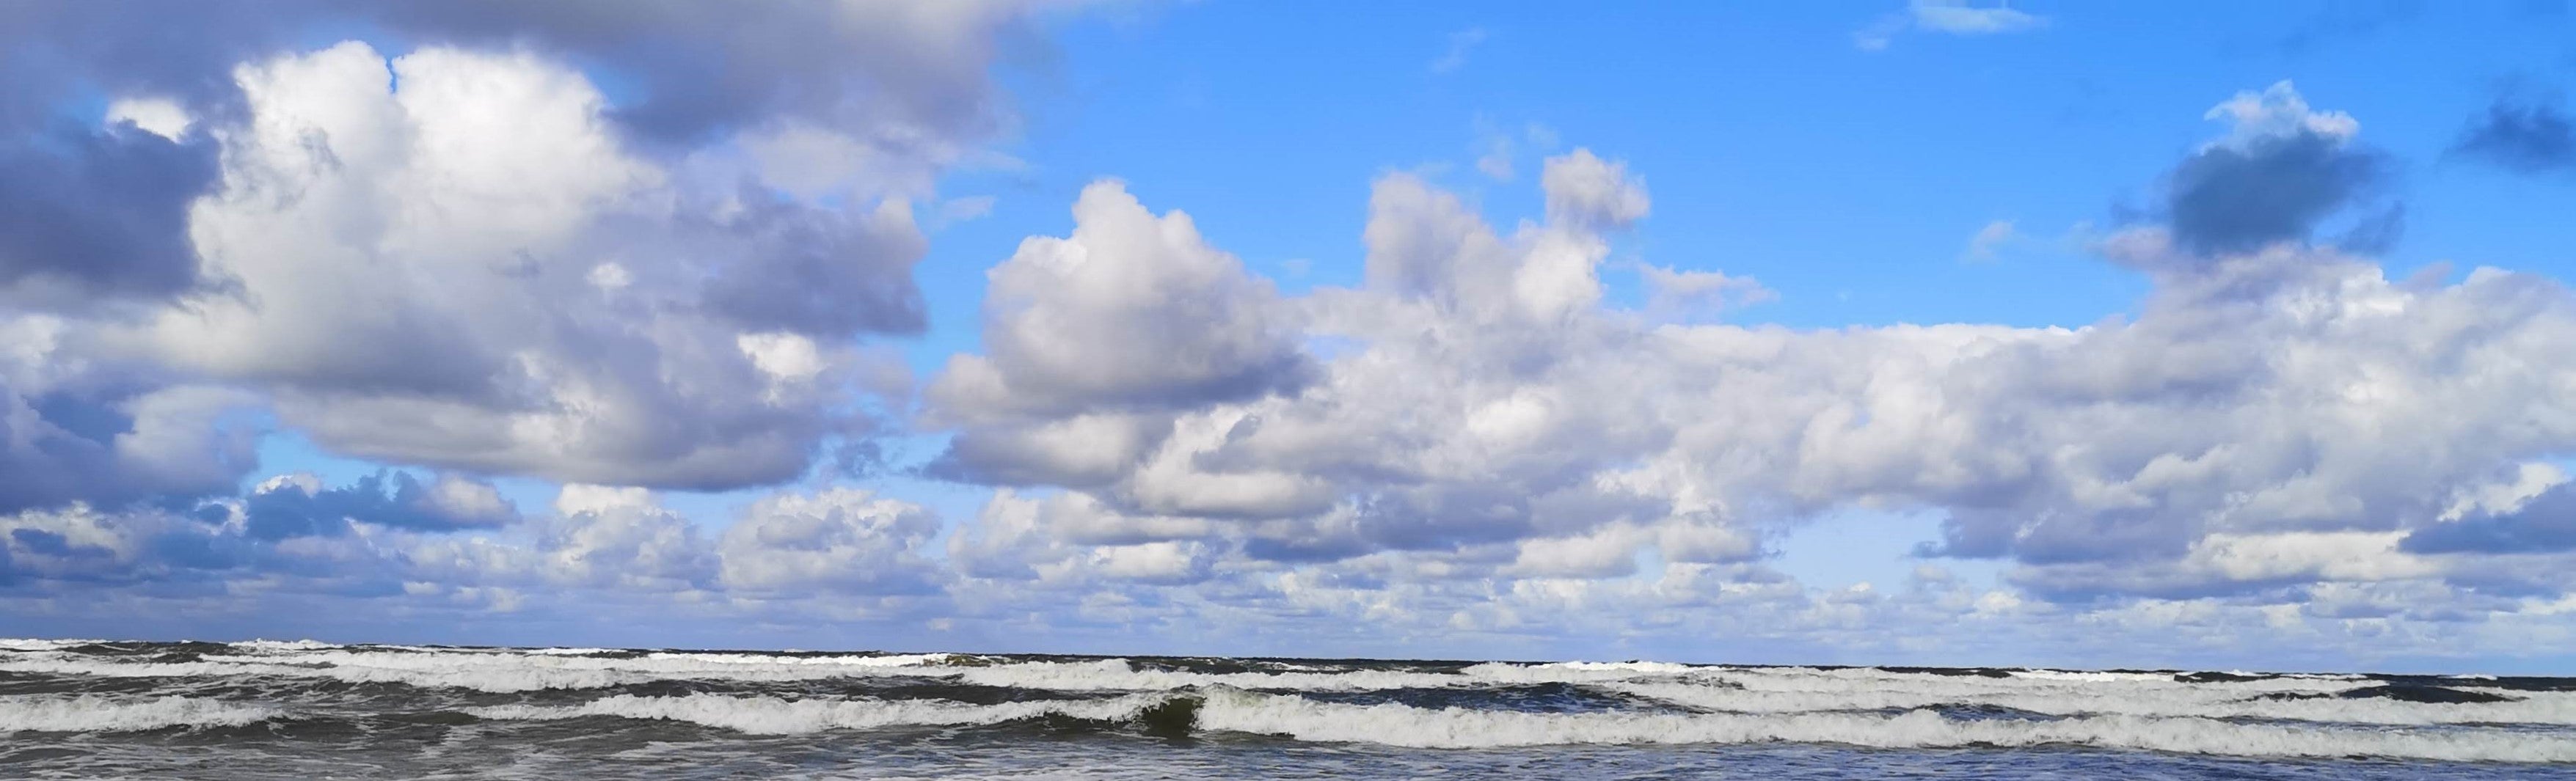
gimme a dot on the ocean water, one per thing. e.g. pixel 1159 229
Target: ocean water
pixel 303 710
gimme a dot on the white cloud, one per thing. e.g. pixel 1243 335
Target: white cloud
pixel 158 116
pixel 838 539
pixel 1959 16
pixel 1588 192
pixel 477 268
pixel 1133 311
pixel 2268 425
pixel 1953 17
pixel 428 299
pixel 2278 111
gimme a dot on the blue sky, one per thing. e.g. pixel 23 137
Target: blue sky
pixel 882 332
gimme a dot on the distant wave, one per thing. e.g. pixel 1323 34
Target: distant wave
pixel 92 686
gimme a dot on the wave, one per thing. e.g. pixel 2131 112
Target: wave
pixel 775 716
pixel 90 713
pixel 1709 689
pixel 1230 711
pixel 1615 667
pixel 29 644
pixel 1650 686
pixel 2164 703
pixel 511 672
pixel 285 646
pixel 888 660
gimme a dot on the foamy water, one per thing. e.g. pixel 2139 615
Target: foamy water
pixel 305 709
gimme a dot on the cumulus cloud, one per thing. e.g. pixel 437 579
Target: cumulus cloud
pixel 450 549
pixel 467 255
pixel 1094 337
pixel 411 271
pixel 1132 310
pixel 1587 192
pixel 2279 424
pixel 79 423
pixel 470 260
pixel 839 539
pixel 900 86
pixel 2282 169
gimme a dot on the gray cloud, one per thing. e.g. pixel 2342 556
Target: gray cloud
pixel 2281 171
pixel 98 214
pixel 707 70
pixel 699 71
pixel 75 426
pixel 819 272
pixel 396 500
pixel 2523 136
pixel 88 213
pixel 2228 200
pixel 2545 524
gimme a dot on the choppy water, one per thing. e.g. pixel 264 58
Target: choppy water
pixel 78 709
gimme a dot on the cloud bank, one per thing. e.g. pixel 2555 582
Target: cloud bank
pixel 538 246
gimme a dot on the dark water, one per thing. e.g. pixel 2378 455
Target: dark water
pixel 313 711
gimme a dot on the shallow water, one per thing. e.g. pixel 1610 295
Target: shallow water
pixel 73 709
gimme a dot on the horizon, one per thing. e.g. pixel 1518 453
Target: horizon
pixel 1917 333
pixel 1105 656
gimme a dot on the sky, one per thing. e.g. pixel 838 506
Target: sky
pixel 1934 332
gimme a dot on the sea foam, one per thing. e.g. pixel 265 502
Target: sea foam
pixel 91 713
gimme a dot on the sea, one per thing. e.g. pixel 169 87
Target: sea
pixel 308 710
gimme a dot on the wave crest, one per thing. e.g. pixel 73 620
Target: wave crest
pixel 92 713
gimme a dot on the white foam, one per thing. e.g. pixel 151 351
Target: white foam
pixel 1753 691
pixel 890 660
pixel 2531 708
pixel 774 716
pixel 1226 710
pixel 2089 676
pixel 1651 668
pixel 285 645
pixel 1401 725
pixel 91 713
pixel 32 644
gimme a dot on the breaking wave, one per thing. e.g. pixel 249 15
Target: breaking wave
pixel 366 692
pixel 774 716
pixel 1226 711
pixel 89 713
